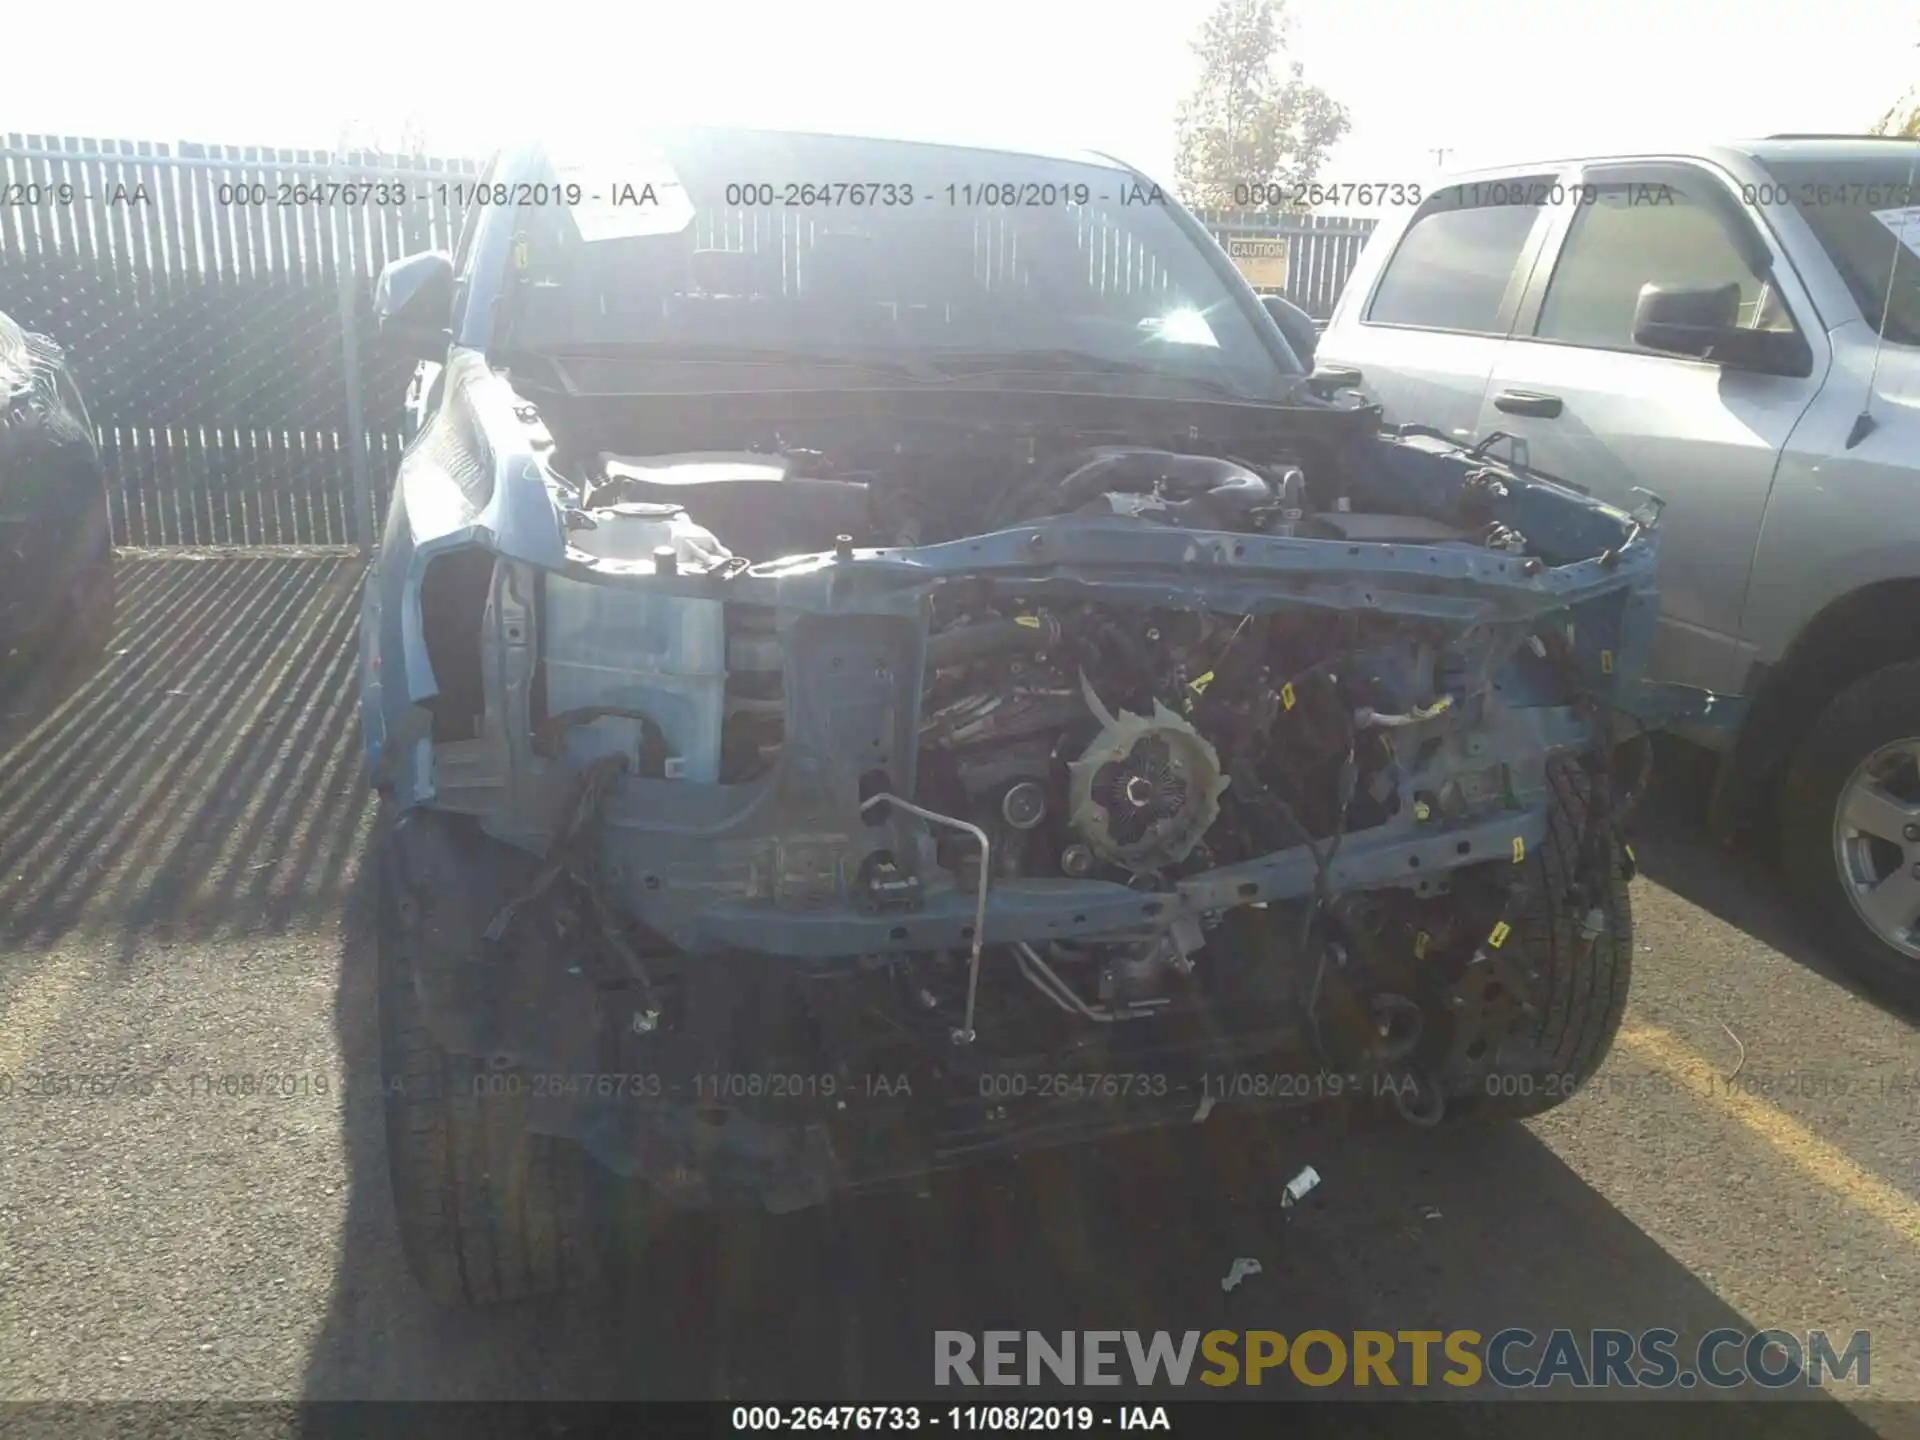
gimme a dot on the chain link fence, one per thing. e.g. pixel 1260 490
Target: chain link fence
pixel 215 307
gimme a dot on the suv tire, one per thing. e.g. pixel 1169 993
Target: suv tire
pixel 1865 720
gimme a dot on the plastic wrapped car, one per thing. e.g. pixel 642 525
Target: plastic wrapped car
pixel 56 546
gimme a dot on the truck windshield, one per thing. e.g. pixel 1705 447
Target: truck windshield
pixel 1865 211
pixel 883 257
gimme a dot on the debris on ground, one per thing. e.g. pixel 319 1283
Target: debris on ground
pixel 1739 1064
pixel 1299 1186
pixel 1242 1268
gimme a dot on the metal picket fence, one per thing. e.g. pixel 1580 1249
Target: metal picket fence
pixel 1320 249
pixel 214 305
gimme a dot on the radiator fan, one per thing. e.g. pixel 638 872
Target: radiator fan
pixel 1146 789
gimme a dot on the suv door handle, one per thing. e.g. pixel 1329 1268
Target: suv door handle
pixel 1527 402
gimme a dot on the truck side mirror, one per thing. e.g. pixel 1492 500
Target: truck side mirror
pixel 1328 379
pixel 1702 324
pixel 413 304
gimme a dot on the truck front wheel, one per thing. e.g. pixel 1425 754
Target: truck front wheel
pixel 1580 979
pixel 487 1211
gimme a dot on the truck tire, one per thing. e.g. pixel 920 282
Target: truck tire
pixel 1582 991
pixel 486 1211
pixel 1864 749
pixel 94 620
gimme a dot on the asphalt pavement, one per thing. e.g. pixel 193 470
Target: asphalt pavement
pixel 181 902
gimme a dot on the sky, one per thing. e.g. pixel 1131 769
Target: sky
pixel 1487 82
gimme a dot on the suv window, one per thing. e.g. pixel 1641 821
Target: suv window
pixel 1632 234
pixel 1452 268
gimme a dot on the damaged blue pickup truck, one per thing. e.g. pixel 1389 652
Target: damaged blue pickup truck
pixel 880 656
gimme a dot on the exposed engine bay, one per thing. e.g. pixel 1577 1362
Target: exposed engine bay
pixel 1020 752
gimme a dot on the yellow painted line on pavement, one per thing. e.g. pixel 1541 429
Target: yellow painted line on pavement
pixel 1782 1133
pixel 27 1014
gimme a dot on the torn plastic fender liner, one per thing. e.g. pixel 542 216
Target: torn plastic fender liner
pixel 526 999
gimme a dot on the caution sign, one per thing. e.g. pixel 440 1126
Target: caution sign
pixel 1261 258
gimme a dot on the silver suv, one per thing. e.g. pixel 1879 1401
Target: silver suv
pixel 1737 329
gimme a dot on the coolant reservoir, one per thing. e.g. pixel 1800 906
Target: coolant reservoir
pixel 636 649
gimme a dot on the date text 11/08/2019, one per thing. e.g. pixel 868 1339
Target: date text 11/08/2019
pixel 959 1418
pixel 891 194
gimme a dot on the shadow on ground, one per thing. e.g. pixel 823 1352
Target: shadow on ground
pixel 1480 1230
pixel 1739 885
pixel 203 782
pixel 200 781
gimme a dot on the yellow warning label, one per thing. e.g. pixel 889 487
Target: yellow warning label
pixel 1606 662
pixel 1499 935
pixel 1519 849
pixel 1420 943
pixel 1032 622
pixel 1286 695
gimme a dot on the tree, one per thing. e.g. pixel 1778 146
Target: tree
pixel 1902 117
pixel 404 141
pixel 1252 118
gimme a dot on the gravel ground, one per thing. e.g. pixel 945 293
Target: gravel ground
pixel 180 900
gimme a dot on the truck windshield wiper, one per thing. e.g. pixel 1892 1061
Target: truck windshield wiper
pixel 928 368
pixel 957 364
pixel 700 352
pixel 981 362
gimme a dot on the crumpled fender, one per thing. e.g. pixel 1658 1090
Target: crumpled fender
pixel 457 488
pixel 1657 704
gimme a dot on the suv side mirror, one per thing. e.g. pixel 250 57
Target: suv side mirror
pixel 413 304
pixel 1296 325
pixel 1703 324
